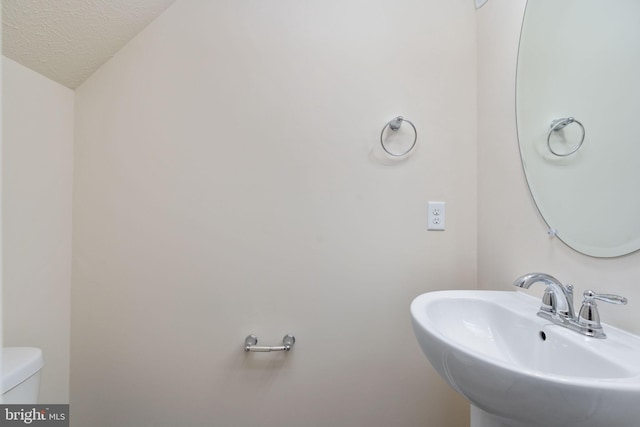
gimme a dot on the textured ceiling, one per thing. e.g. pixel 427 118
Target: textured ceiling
pixel 67 40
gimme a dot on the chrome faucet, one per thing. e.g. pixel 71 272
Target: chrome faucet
pixel 557 304
pixel 557 299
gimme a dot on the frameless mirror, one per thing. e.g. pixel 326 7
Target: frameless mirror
pixel 578 105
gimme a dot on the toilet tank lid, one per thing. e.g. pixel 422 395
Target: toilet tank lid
pixel 18 364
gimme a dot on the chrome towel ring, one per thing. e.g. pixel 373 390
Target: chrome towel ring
pixel 394 125
pixel 559 124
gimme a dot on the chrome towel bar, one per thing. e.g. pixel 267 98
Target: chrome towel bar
pixel 251 340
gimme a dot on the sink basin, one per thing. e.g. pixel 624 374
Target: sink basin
pixel 519 370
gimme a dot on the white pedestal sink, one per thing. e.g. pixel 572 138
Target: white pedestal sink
pixel 519 370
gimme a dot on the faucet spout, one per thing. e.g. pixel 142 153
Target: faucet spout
pixel 561 296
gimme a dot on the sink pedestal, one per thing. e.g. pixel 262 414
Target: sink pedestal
pixel 480 418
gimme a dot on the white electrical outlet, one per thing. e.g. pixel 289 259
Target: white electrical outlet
pixel 435 216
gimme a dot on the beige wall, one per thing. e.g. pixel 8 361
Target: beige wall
pixel 512 237
pixel 228 182
pixel 37 139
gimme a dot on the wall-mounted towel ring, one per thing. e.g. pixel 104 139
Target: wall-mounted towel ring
pixel 394 125
pixel 559 124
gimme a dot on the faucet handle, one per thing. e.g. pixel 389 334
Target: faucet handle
pixel 589 318
pixel 548 301
pixel 610 298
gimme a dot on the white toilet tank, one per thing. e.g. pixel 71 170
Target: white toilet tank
pixel 20 375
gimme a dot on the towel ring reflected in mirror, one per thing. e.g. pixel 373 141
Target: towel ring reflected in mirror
pixel 560 124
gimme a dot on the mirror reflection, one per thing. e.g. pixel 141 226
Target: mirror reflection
pixel 578 102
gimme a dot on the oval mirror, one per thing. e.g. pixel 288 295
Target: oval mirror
pixel 577 104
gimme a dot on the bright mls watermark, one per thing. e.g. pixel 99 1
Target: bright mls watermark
pixel 36 415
